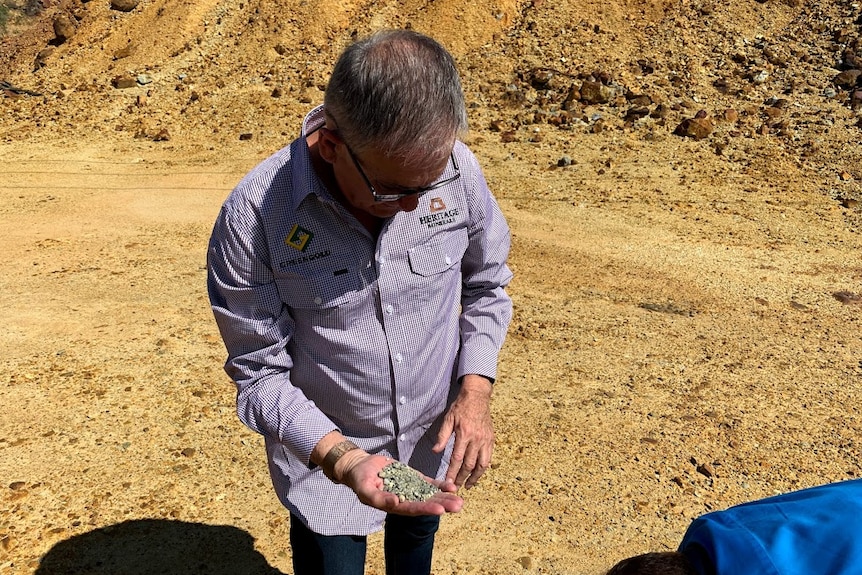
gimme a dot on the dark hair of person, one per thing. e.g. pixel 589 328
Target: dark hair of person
pixel 398 92
pixel 657 563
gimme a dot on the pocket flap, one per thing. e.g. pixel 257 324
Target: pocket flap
pixel 439 255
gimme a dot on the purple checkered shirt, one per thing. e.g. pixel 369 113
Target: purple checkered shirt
pixel 328 329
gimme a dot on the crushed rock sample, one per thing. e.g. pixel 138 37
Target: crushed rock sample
pixel 405 482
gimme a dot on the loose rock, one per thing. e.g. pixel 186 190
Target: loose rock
pixel 847 78
pixel 42 57
pixel 123 82
pixel 406 482
pixel 64 28
pixel 124 52
pixel 124 5
pixel 705 469
pixel 848 298
pixel 595 93
pixel 731 115
pixel 697 128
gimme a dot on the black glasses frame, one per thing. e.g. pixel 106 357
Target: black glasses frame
pixel 409 191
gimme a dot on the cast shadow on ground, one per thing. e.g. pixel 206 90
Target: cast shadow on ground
pixel 157 546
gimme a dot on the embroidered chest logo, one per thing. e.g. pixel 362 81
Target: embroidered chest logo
pixel 437 205
pixel 299 238
pixel 439 216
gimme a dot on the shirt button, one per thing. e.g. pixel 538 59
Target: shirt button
pixel 389 309
pixel 381 260
pixel 398 357
pixel 318 301
pixel 448 260
pixel 402 437
pixel 402 400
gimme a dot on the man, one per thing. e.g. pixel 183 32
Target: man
pixel 358 280
pixel 813 531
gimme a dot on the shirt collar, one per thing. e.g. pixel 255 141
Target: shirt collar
pixel 313 120
pixel 305 180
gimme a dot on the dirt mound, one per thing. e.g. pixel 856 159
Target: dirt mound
pixel 766 75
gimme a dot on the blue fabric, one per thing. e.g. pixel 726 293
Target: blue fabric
pixel 813 531
pixel 315 554
pixel 408 548
pixel 408 544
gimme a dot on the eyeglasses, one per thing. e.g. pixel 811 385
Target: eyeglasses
pixel 403 192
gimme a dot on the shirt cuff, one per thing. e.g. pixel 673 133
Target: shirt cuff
pixel 305 432
pixel 480 361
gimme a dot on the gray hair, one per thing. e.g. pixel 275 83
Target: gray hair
pixel 398 92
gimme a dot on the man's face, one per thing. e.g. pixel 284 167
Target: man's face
pixel 378 185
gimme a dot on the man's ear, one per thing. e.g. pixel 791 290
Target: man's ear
pixel 327 144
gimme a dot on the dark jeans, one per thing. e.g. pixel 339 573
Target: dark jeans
pixel 408 543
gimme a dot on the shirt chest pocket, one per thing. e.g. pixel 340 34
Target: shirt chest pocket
pixel 440 255
pixel 435 285
pixel 321 299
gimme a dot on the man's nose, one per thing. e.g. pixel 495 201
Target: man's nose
pixel 409 203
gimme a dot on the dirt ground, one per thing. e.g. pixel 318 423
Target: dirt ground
pixel 682 179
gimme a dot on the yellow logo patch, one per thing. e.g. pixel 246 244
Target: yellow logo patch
pixel 299 238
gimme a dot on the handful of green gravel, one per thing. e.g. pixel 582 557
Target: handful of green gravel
pixel 405 482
